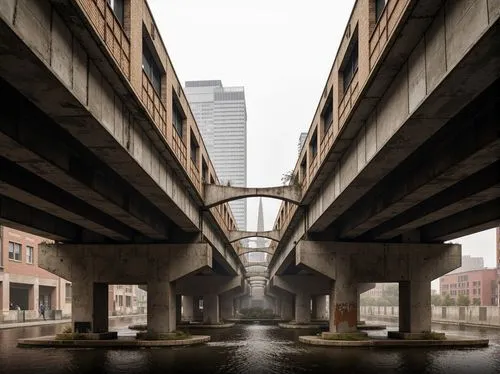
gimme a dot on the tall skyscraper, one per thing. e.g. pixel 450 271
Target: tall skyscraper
pixel 220 113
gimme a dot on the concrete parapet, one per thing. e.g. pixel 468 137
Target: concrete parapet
pixel 217 194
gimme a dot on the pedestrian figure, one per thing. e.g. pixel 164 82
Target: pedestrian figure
pixel 42 310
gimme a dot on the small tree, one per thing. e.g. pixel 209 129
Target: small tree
pixel 476 301
pixel 436 300
pixel 463 300
pixel 448 300
pixel 289 178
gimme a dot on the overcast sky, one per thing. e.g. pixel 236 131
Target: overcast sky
pixel 281 51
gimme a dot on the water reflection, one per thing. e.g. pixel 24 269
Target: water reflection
pixel 245 349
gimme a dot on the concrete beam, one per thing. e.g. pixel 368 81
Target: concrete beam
pixel 467 144
pixel 26 218
pixel 251 274
pixel 219 194
pixel 244 250
pixel 383 262
pixel 17 183
pixel 125 263
pixel 252 264
pixel 308 284
pixel 235 235
pixel 209 284
pixel 478 218
pixel 36 143
pixel 246 262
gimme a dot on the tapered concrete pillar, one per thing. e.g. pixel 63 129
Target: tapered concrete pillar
pixel 414 306
pixel 187 308
pixel 211 309
pixel 303 308
pixel 161 307
pixel 344 299
pixel 226 307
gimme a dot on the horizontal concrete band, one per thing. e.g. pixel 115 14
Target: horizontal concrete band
pixel 379 262
pixel 127 264
pixel 218 194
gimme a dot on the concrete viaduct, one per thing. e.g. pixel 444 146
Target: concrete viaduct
pixel 100 153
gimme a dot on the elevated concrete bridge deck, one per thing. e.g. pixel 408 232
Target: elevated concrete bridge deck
pixel 402 154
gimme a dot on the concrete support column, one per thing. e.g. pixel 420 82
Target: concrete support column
pixel 178 308
pixel 287 308
pixel 344 300
pixel 226 307
pixel 82 303
pixel 187 308
pixel 320 302
pixel 161 306
pixel 414 306
pixel 211 309
pixel 314 307
pixel 34 296
pixel 302 307
pixel 5 293
pixel 100 307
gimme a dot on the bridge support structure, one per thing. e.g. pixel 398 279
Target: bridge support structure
pixel 412 265
pixel 217 291
pixel 303 287
pixel 92 267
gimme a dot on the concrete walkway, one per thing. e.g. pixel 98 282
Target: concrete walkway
pixel 14 325
pixel 41 322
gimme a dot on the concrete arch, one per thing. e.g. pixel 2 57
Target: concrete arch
pixel 262 274
pixel 251 264
pixel 216 194
pixel 235 235
pixel 245 250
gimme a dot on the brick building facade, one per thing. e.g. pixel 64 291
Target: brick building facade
pixel 22 283
pixel 479 285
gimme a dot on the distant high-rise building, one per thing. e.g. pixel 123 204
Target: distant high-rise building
pixel 220 113
pixel 302 140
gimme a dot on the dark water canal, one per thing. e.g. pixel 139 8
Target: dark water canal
pixel 246 349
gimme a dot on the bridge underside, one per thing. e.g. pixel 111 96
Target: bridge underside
pixel 449 187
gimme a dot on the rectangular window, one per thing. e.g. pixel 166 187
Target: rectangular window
pixel 14 251
pixel 349 65
pixel 194 149
pixel 204 171
pixel 313 147
pixel 29 254
pixel 128 301
pixel 68 292
pixel 303 169
pixel 118 7
pixel 120 300
pixel 150 66
pixel 177 117
pixel 327 113
pixel 379 8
